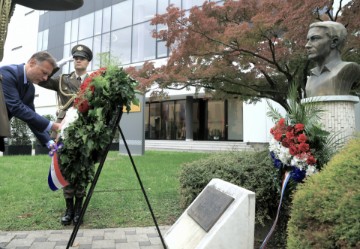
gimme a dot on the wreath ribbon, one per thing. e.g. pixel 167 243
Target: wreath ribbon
pixel 287 177
pixel 56 180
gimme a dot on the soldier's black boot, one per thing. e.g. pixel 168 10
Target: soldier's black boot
pixel 78 206
pixel 69 213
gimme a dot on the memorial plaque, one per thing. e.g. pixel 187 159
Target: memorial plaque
pixel 209 207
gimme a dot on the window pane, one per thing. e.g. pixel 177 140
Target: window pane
pixel 67 32
pixel 106 19
pixel 74 30
pixel 66 54
pixel 96 52
pixel 143 46
pixel 162 5
pixel 162 50
pixel 144 10
pixel 147 124
pixel 121 15
pixel 105 48
pixel 215 120
pixel 121 45
pixel 97 24
pixel 235 120
pixel 176 3
pixel 180 119
pixel 168 130
pixel 86 25
pixel 188 4
pixel 155 121
pixel 45 39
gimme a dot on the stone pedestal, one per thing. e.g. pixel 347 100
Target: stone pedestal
pixel 222 216
pixel 338 116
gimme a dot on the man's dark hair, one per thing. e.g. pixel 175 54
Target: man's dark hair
pixel 44 56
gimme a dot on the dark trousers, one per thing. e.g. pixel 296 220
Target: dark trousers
pixel 72 191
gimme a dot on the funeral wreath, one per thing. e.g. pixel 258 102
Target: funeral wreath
pixel 87 130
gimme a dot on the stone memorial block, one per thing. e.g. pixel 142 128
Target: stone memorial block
pixel 222 216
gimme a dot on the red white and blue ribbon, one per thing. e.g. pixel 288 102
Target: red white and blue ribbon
pixel 283 187
pixel 56 180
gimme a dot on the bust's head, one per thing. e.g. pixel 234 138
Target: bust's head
pixel 334 30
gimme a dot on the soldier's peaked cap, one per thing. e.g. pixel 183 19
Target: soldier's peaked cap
pixel 82 51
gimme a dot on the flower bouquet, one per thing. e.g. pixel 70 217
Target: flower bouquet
pixel 290 150
pixel 299 146
pixel 90 124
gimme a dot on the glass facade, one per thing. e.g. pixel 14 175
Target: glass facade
pixel 212 120
pixel 122 31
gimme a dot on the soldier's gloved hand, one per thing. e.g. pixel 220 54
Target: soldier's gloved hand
pixel 63 61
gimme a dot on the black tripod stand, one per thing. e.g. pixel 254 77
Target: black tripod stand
pixel 114 124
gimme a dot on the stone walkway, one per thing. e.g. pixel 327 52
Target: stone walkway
pixel 111 238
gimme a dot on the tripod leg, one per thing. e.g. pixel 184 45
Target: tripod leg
pixel 142 188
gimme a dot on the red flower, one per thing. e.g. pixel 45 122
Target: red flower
pixel 290 135
pixel 304 147
pixel 293 150
pixel 311 160
pixel 278 135
pixel 281 122
pixel 299 127
pixel 302 138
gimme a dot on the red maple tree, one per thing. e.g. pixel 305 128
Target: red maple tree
pixel 247 48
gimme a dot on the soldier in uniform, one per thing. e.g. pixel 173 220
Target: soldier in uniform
pixel 66 87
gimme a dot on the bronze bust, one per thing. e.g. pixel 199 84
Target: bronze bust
pixel 331 76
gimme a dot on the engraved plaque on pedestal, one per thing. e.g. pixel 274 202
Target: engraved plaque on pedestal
pixel 209 207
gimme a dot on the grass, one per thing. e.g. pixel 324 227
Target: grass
pixel 26 202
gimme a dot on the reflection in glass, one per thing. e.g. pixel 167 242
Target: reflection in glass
pixel 155 121
pixel 74 30
pixel 98 24
pixel 180 119
pixel 215 120
pixel 235 119
pixel 106 20
pixel 86 26
pixel 188 4
pixel 96 52
pixel 121 45
pixel 121 15
pixel 162 5
pixel 67 32
pixel 168 130
pixel 144 10
pixel 143 47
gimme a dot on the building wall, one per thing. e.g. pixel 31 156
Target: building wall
pixel 31 31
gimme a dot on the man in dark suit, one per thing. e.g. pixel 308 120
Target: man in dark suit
pixel 19 93
pixel 66 87
pixel 6 11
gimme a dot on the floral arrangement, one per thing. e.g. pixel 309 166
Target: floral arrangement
pixel 298 142
pixel 289 148
pixel 89 126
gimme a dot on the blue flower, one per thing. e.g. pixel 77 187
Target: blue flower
pixel 297 174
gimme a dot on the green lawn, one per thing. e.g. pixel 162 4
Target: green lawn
pixel 26 202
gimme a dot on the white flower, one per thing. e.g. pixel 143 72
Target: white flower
pixel 70 117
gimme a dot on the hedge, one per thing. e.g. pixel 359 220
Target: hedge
pixel 326 208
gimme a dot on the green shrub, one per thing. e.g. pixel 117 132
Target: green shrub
pixel 20 132
pixel 326 208
pixel 250 170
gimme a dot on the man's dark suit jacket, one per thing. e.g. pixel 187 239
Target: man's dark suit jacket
pixel 19 99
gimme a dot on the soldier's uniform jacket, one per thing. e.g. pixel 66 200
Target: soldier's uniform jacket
pixel 66 87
